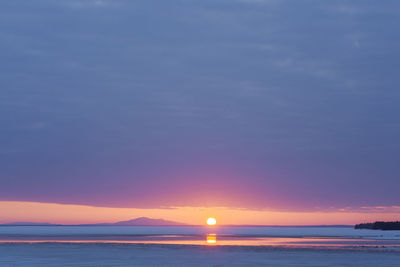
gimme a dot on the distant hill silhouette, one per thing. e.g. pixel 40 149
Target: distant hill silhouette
pixel 147 221
pixel 379 226
pixel 28 224
pixel 142 221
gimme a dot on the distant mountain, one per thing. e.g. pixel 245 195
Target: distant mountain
pixel 147 221
pixel 27 224
pixel 379 226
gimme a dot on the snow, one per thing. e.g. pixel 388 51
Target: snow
pixel 187 246
pixel 50 254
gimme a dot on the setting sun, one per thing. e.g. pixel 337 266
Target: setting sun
pixel 211 221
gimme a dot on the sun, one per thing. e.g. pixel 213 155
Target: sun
pixel 211 221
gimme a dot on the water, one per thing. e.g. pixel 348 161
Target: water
pixel 203 246
pixel 196 235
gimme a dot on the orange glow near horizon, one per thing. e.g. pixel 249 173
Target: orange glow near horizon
pixel 12 211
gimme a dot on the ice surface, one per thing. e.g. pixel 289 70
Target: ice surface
pixel 188 246
pixel 176 255
pixel 198 230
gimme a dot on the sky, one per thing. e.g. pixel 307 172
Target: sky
pixel 256 105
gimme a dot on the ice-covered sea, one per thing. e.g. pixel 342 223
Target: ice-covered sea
pixel 196 246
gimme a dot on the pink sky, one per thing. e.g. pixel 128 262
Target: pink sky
pixel 77 214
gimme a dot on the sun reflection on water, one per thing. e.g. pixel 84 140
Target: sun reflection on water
pixel 211 239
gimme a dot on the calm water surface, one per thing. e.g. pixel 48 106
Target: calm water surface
pixel 321 237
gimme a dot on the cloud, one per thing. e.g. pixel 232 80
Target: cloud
pixel 91 3
pixel 259 2
pixel 278 104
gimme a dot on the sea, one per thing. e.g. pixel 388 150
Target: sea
pixel 197 246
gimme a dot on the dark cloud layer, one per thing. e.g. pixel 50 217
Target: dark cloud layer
pixel 251 103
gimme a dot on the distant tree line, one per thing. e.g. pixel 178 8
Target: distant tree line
pixel 379 226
